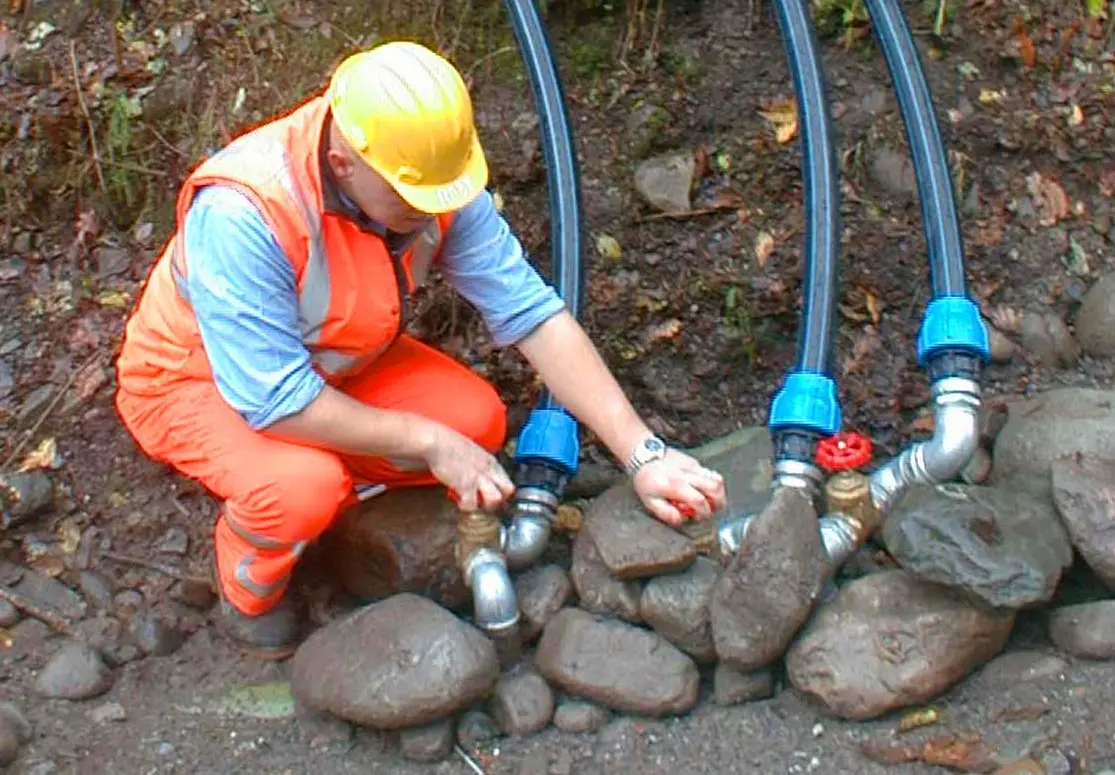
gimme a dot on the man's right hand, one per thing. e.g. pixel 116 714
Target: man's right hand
pixel 468 470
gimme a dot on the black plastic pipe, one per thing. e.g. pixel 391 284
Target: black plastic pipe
pixel 559 151
pixel 923 133
pixel 821 188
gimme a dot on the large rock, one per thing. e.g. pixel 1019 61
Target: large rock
pixel 75 672
pixel 542 591
pixel 1084 491
pixel 630 542
pixel 744 458
pixel 665 182
pixel 889 641
pixel 1095 321
pixel 1005 547
pixel 677 607
pixel 400 541
pixel 1085 630
pixel 597 590
pixel 617 665
pixel 770 586
pixel 1052 426
pixel 401 662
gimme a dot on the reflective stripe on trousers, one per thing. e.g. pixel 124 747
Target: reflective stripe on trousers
pixel 241 574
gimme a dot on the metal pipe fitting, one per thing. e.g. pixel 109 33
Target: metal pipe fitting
pixel 525 538
pixel 938 460
pixel 797 473
pixel 494 602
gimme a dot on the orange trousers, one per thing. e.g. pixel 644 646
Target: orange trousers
pixel 277 495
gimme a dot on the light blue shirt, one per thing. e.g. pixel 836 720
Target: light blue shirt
pixel 244 295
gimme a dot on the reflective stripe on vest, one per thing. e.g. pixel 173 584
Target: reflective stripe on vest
pixel 245 157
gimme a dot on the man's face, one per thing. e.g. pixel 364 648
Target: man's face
pixel 373 194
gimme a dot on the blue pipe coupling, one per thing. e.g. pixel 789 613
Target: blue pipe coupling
pixel 550 435
pixel 807 401
pixel 952 323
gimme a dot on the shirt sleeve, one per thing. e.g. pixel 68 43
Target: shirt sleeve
pixel 486 264
pixel 244 295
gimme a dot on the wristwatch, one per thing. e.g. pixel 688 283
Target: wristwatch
pixel 650 448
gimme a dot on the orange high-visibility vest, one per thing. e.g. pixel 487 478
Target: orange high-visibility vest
pixel 352 292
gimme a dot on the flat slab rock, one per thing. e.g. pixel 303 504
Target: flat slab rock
pixel 400 541
pixel 677 607
pixel 597 590
pixel 616 665
pixel 1085 630
pixel 631 543
pixel 1055 425
pixel 1006 547
pixel 402 662
pixel 888 641
pixel 770 586
pixel 1084 492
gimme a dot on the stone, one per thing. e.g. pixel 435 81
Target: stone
pixel 631 543
pixel 9 614
pixel 43 590
pixel 75 672
pixel 96 588
pixel 1004 546
pixel 401 662
pixel 645 126
pixel 889 641
pixel 665 182
pixel 1048 338
pixel 15 731
pixel 24 496
pixel 677 607
pixel 321 730
pixel 1085 630
pixel 1019 667
pixel 597 591
pixel 155 636
pixel 194 593
pixel 893 172
pixel 174 541
pixel 616 664
pixel 108 712
pixel 542 591
pixel 400 541
pixel 522 702
pixel 731 686
pixel 1095 320
pixel 754 620
pixel 112 261
pixel 428 743
pixel 1084 493
pixel 1054 425
pixel 573 715
pixel 476 727
pixel 1002 347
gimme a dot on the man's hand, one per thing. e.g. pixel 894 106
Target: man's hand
pixel 678 483
pixel 468 470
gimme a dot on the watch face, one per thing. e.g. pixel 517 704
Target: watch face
pixel 655 445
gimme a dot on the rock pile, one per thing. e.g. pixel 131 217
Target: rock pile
pixel 636 614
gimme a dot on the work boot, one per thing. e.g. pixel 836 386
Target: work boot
pixel 272 635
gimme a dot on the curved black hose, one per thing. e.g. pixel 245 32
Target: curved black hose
pixel 821 194
pixel 938 204
pixel 559 150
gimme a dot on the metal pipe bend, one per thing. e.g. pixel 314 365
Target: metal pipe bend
pixel 495 605
pixel 524 540
pixel 942 457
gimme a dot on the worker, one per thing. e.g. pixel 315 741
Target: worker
pixel 266 357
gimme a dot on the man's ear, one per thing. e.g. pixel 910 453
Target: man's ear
pixel 340 163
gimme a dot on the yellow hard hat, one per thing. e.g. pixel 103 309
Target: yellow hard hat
pixel 407 112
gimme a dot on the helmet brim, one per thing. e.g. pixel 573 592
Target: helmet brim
pixel 451 196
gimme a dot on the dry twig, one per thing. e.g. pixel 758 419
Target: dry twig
pixel 158 567
pixel 58 622
pixel 88 118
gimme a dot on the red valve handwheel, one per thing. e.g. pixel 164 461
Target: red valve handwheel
pixel 844 452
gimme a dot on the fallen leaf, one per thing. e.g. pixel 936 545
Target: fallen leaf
pixel 114 299
pixel 1050 197
pixel 608 246
pixel 44 456
pixel 1107 183
pixel 89 381
pixel 783 115
pixel 764 246
pixel 989 233
pixel 872 304
pixel 497 201
pixel 1021 713
pixel 666 330
pixel 700 163
pixel 889 754
pixel 8 42
pixel 866 344
pixel 918 718
pixel 1026 51
pixel 967 754
pixel 726 199
pixel 1076 115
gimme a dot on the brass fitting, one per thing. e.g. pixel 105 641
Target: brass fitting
pixel 849 493
pixel 476 529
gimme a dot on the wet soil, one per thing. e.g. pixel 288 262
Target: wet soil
pixel 735 313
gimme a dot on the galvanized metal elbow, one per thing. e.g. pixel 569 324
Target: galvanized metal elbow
pixel 525 538
pixel 938 460
pixel 494 603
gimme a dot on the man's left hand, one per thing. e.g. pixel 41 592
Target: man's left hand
pixel 677 487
